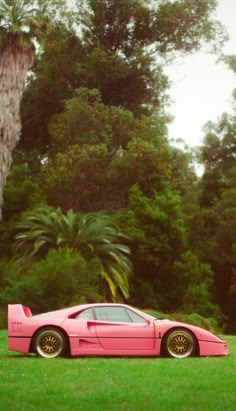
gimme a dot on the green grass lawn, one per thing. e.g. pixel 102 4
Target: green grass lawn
pixel 119 384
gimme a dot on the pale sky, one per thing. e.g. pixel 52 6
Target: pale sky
pixel 201 88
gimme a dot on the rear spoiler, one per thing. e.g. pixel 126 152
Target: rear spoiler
pixel 19 311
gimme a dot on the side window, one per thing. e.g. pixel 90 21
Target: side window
pixel 115 314
pixel 135 317
pixel 86 315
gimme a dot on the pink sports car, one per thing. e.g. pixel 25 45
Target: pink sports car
pixel 106 329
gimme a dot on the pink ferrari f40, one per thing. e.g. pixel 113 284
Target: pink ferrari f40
pixel 106 329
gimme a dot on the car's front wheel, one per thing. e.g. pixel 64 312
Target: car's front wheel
pixel 179 343
pixel 50 343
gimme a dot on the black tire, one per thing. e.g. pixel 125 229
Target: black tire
pixel 179 343
pixel 50 343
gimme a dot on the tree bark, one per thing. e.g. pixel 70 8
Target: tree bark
pixel 15 61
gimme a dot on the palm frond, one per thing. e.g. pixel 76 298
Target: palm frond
pixel 111 284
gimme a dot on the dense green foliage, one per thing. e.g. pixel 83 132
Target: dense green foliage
pixel 99 205
pixel 72 280
pixel 93 235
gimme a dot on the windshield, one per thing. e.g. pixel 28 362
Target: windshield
pixel 143 314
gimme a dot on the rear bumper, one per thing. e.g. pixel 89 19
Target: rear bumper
pixel 20 344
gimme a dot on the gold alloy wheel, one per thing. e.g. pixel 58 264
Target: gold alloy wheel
pixel 180 344
pixel 49 343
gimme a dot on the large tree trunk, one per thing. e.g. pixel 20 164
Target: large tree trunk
pixel 15 61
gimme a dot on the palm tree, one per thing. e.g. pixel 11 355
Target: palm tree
pixel 16 58
pixel 92 234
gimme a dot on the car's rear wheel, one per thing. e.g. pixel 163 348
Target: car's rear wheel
pixel 50 343
pixel 179 343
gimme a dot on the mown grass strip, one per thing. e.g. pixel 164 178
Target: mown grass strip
pixel 117 384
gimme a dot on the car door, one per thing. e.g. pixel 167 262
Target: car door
pixel 81 329
pixel 120 329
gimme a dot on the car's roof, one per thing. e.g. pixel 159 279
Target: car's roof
pixel 70 310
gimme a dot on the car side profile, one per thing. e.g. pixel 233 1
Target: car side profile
pixel 106 329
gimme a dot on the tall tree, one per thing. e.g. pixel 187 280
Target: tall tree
pixel 21 22
pixel 217 200
pixel 98 152
pixel 118 47
pixel 16 57
pixel 130 39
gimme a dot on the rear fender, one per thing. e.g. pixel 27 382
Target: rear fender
pixel 17 313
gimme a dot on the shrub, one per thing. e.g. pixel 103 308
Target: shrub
pixel 62 278
pixel 209 323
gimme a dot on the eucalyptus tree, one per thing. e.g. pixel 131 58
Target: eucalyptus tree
pixel 94 235
pixel 131 40
pixel 119 47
